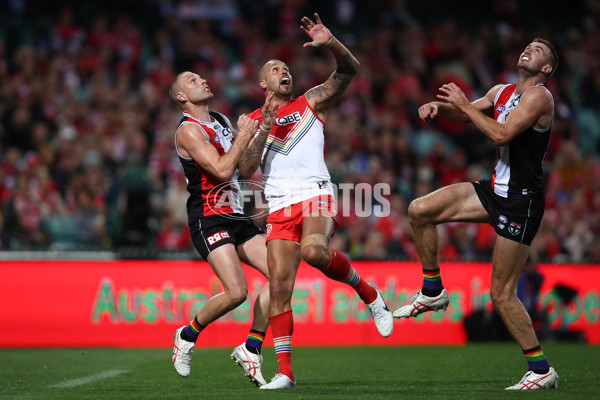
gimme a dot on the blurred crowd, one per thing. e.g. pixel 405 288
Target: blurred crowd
pixel 86 126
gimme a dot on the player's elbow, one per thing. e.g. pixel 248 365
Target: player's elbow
pixel 501 137
pixel 349 69
pixel 499 141
pixel 223 175
pixel 243 174
pixel 354 65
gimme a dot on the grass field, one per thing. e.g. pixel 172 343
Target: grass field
pixel 476 371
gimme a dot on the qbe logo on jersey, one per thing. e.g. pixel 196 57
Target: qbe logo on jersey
pixel 212 239
pixel 289 119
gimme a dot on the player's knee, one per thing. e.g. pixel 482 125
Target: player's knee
pixel 499 297
pixel 280 289
pixel 237 296
pixel 315 255
pixel 416 211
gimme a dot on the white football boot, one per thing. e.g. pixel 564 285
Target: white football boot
pixel 182 353
pixel 381 314
pixel 532 381
pixel 280 381
pixel 251 364
pixel 421 303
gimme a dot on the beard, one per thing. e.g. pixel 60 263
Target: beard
pixel 284 92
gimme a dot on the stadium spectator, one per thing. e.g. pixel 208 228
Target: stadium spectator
pixel 172 236
pixel 518 118
pixel 88 219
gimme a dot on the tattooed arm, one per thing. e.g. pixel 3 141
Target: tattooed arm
pixel 322 97
pixel 251 158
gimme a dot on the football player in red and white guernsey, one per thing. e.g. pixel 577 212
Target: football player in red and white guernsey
pixel 209 150
pixel 518 118
pixel 299 192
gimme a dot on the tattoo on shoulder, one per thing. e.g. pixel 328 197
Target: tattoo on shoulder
pixel 332 89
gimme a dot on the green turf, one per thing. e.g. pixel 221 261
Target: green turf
pixel 476 371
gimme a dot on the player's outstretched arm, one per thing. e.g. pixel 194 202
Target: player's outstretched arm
pixel 535 103
pixel 251 158
pixel 323 97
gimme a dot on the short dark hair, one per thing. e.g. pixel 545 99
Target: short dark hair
pixel 174 88
pixel 553 54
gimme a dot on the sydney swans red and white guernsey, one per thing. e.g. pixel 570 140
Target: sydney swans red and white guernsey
pixel 519 168
pixel 293 163
pixel 209 196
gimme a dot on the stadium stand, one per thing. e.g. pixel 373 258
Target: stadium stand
pixel 86 152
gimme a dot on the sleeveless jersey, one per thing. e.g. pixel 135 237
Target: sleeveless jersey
pixel 519 168
pixel 209 196
pixel 293 162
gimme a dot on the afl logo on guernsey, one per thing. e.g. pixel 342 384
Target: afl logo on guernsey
pixel 503 221
pixel 500 108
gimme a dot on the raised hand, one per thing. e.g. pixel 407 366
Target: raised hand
pixel 428 111
pixel 251 158
pixel 452 94
pixel 269 114
pixel 320 35
pixel 247 126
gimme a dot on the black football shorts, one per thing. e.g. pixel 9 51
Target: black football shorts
pixel 516 218
pixel 226 230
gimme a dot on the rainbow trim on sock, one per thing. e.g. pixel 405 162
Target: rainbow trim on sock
pixel 536 360
pixel 535 355
pixel 432 276
pixel 255 341
pixel 192 331
pixel 196 327
pixel 432 281
pixel 256 336
pixel 352 278
pixel 283 344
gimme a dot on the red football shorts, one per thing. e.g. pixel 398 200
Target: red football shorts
pixel 286 223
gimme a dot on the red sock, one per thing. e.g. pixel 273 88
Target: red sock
pixel 339 269
pixel 282 327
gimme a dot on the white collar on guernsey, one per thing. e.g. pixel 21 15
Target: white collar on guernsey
pixel 212 120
